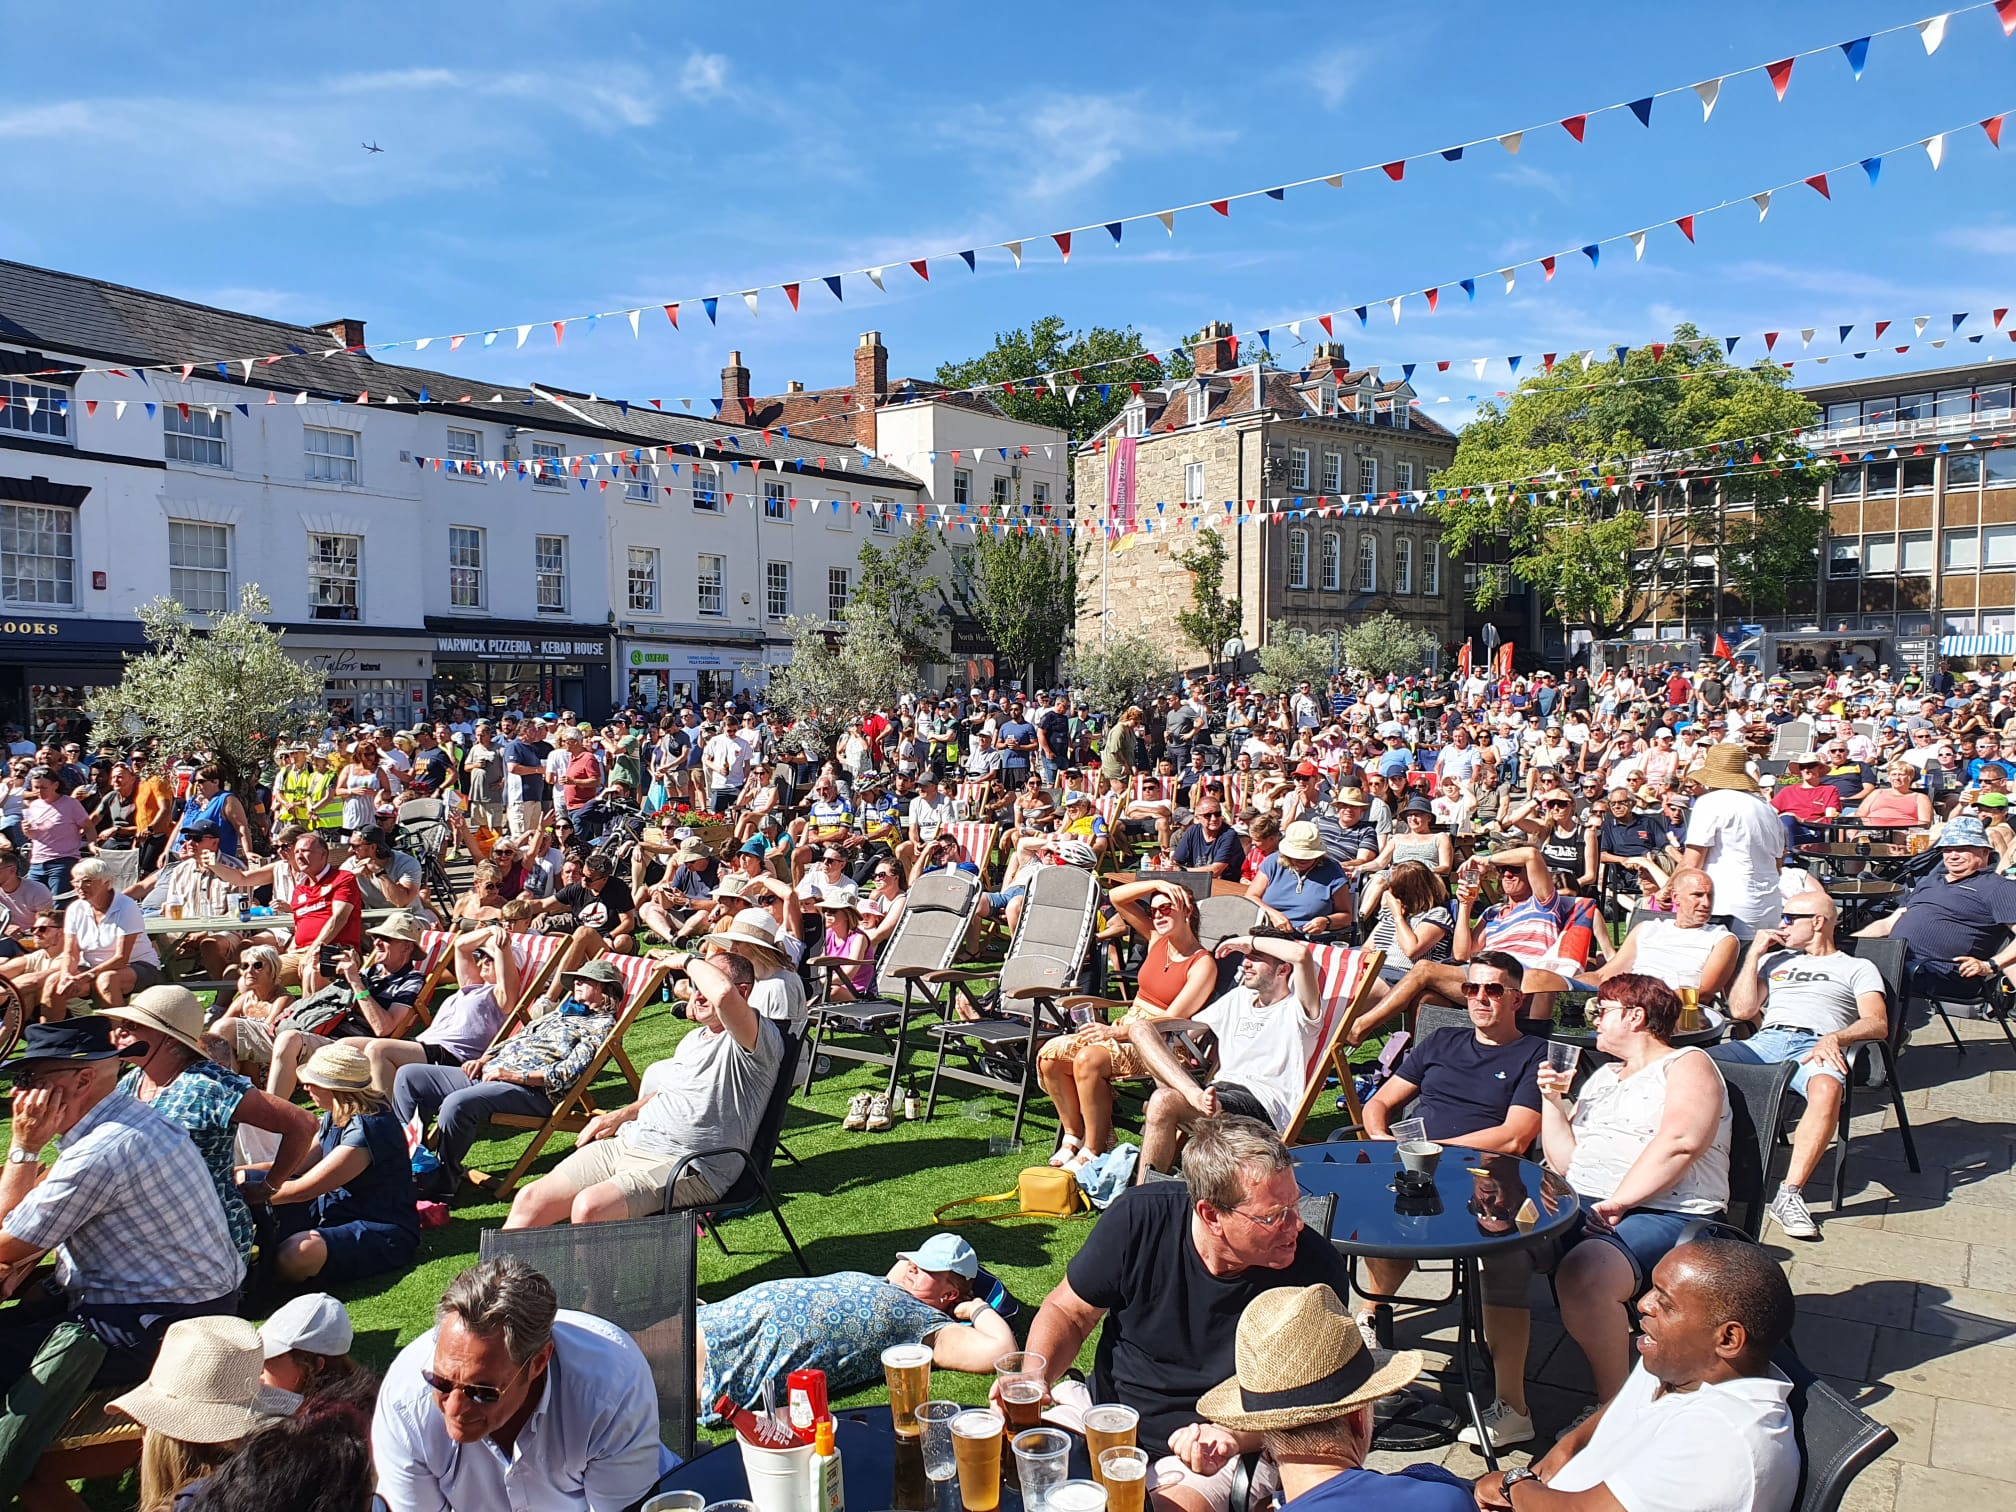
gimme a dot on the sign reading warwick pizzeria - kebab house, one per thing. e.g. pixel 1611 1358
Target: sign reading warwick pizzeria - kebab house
pixel 517 648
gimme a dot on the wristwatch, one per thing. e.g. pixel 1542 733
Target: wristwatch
pixel 19 1156
pixel 1512 1478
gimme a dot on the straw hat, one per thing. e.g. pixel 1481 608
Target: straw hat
pixel 166 1009
pixel 756 927
pixel 397 926
pixel 833 899
pixel 1353 798
pixel 1300 1360
pixel 691 851
pixel 340 1067
pixel 204 1387
pixel 1301 841
pixel 1724 768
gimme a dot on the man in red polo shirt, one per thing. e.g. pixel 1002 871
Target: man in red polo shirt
pixel 328 911
pixel 1807 801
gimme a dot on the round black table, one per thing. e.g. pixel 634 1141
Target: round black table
pixel 1860 898
pixel 878 1469
pixel 1479 1204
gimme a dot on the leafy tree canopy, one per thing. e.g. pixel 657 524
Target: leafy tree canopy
pixel 1212 619
pixel 896 587
pixel 1292 655
pixel 1387 646
pixel 831 676
pixel 1127 670
pixel 1047 347
pixel 1025 595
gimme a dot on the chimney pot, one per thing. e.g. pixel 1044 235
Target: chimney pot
pixel 1213 351
pixel 793 386
pixel 347 330
pixel 735 378
pixel 871 385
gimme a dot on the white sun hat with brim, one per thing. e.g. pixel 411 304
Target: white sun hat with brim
pixel 204 1387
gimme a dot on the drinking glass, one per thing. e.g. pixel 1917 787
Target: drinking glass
pixel 1042 1461
pixel 907 1369
pixel 1077 1496
pixel 1563 1058
pixel 731 1506
pixel 1125 1474
pixel 1022 1387
pixel 675 1501
pixel 934 1419
pixel 1410 1131
pixel 976 1450
pixel 1108 1426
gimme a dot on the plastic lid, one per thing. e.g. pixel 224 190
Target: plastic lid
pixel 822 1436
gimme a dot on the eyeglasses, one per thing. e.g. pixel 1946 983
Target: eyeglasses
pixel 481 1396
pixel 1794 918
pixel 1492 990
pixel 1604 1005
pixel 1271 1220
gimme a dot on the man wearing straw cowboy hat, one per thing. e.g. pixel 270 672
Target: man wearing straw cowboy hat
pixel 1735 836
pixel 129 1209
pixel 1305 1388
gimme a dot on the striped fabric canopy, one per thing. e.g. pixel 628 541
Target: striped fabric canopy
pixel 1978 645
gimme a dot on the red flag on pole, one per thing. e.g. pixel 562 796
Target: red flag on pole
pixel 1722 648
pixel 1463 661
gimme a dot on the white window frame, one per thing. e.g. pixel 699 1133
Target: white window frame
pixel 549 574
pixel 998 496
pixel 44 419
pixel 1403 476
pixel 1333 472
pixel 468 546
pixel 1200 403
pixel 189 441
pixel 1368 476
pixel 1368 562
pixel 882 514
pixel 777 590
pixel 776 505
pixel 1403 565
pixel 330 455
pixel 710 499
pixel 711 573
pixel 38 551
pixel 962 485
pixel 327 575
pixel 1193 482
pixel 643 573
pixel 1134 419
pixel 1330 561
pixel 839 589
pixel 1998 549
pixel 551 453
pixel 199 566
pixel 1039 496
pixel 1298 559
pixel 469 449
pixel 638 489
pixel 1298 469
pixel 1431 569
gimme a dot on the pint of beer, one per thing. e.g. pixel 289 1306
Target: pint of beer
pixel 1108 1426
pixel 907 1369
pixel 1022 1386
pixel 1918 843
pixel 1124 1472
pixel 1077 1496
pixel 976 1446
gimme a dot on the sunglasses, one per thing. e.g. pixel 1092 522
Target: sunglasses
pixel 1492 990
pixel 481 1396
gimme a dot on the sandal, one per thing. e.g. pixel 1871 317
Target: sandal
pixel 1078 1162
pixel 1066 1148
pixel 857 1112
pixel 878 1113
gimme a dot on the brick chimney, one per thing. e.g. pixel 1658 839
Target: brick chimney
pixel 794 386
pixel 1327 357
pixel 347 332
pixel 871 385
pixel 735 379
pixel 1213 352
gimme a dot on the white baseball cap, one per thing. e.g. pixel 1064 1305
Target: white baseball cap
pixel 315 1324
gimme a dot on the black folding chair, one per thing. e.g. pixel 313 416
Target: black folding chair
pixel 1756 1101
pixel 1837 1440
pixel 1887 956
pixel 751 1188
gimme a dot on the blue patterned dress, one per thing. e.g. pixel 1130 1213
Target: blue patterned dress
pixel 204 1099
pixel 839 1324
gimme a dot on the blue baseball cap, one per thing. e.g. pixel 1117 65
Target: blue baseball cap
pixel 944 1252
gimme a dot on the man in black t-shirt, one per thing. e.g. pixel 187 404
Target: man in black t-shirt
pixel 1053 738
pixel 600 900
pixel 1167 1271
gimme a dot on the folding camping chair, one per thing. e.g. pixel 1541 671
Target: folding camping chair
pixel 1045 958
pixel 970 796
pixel 643 979
pixel 936 916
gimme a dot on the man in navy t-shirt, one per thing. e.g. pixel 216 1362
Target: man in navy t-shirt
pixel 1018 744
pixel 1210 844
pixel 1955 924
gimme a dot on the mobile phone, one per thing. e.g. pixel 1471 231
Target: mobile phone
pixel 328 958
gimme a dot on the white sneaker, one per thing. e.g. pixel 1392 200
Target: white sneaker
pixel 1788 1210
pixel 1505 1426
pixel 857 1111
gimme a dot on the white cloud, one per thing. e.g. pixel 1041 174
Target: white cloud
pixel 1526 176
pixel 704 75
pixel 1336 72
pixel 1073 140
pixel 1990 241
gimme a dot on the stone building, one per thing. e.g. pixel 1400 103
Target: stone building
pixel 1284 448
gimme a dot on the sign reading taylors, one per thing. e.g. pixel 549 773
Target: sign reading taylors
pixel 518 648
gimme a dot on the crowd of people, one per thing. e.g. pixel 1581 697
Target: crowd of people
pixel 1652 843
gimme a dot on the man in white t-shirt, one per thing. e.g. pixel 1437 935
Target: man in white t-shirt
pixel 1814 1003
pixel 1701 1424
pixel 1266 1030
pixel 1735 836
pixel 726 762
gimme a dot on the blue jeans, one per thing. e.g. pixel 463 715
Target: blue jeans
pixel 54 873
pixel 1771 1047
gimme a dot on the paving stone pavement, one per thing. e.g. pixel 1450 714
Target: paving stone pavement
pixel 1907 1301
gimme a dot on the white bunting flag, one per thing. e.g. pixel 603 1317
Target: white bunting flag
pixel 1071 393
pixel 749 299
pixel 633 323
pixel 423 343
pixel 1638 246
pixel 1935 149
pixel 1014 251
pixel 1511 140
pixel 1709 90
pixel 1478 364
pixel 1506 274
pixel 1393 304
pixel 1918 324
pixel 1932 32
pixel 1168 219
pixel 523 332
pixel 1763 203
pixel 246 363
pixel 1806 336
pixel 302 397
pixel 874 276
pixel 118 409
pixel 1295 329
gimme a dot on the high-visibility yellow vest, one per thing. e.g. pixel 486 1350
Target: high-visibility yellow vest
pixel 328 804
pixel 296 792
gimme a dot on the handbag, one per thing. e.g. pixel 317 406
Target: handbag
pixel 1040 1192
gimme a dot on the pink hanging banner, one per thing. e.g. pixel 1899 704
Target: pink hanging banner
pixel 1120 485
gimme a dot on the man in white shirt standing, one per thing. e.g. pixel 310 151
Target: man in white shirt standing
pixel 1735 836
pixel 509 1402
pixel 726 762
pixel 1701 1424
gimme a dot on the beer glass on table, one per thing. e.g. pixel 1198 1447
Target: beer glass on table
pixel 1078 1496
pixel 907 1369
pixel 1021 1386
pixel 1108 1426
pixel 1042 1461
pixel 1124 1471
pixel 976 1449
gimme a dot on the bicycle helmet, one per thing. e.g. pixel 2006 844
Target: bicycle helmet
pixel 1076 853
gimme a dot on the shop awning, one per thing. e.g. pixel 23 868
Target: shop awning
pixel 1977 645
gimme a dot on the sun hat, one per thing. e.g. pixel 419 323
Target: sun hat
pixel 398 926
pixel 166 1009
pixel 204 1387
pixel 754 848
pixel 1301 841
pixel 314 1323
pixel 691 851
pixel 755 927
pixel 1963 833
pixel 1353 798
pixel 1418 805
pixel 1725 768
pixel 1300 1360
pixel 340 1067
pixel 75 1041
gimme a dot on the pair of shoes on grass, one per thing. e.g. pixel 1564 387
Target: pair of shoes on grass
pixel 868 1110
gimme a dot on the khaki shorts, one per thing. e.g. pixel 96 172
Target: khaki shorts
pixel 640 1178
pixel 525 818
pixel 254 1040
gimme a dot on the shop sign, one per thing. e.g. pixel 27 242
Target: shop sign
pixel 28 630
pixel 642 658
pixel 519 648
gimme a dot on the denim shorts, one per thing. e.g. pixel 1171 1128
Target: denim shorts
pixel 1000 900
pixel 1644 1235
pixel 1768 1047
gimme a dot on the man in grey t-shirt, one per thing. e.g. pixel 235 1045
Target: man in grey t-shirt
pixel 710 1095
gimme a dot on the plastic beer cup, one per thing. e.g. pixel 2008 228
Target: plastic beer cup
pixel 1108 1426
pixel 976 1449
pixel 907 1369
pixel 1124 1471
pixel 1022 1385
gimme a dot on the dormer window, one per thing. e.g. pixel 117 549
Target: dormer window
pixel 1326 397
pixel 1134 419
pixel 1200 403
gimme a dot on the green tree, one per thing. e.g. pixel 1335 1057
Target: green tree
pixel 1126 670
pixel 896 586
pixel 1073 403
pixel 1212 619
pixel 1596 449
pixel 1291 655
pixel 1386 645
pixel 1025 595
pixel 225 688
pixel 831 675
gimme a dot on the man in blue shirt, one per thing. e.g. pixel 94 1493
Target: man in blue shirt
pixel 1210 844
pixel 1956 923
pixel 1017 738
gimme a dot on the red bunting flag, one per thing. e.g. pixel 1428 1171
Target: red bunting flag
pixel 2006 10
pixel 91 405
pixel 1063 240
pixel 1781 75
pixel 1686 225
pixel 1721 648
pixel 1770 340
pixel 1233 343
pixel 559 331
pixel 1547 361
pixel 672 314
pixel 1324 321
pixel 1881 327
pixel 1575 125
pixel 1819 183
pixel 923 270
pixel 1998 316
pixel 1432 296
pixel 1658 350
pixel 791 293
pixel 1993 126
pixel 1442 366
pixel 1547 267
pixel 1395 171
pixel 1223 207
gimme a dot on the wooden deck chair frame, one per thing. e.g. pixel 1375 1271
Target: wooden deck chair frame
pixel 437 965
pixel 976 839
pixel 643 977
pixel 1346 976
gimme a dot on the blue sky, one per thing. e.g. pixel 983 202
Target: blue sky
pixel 552 158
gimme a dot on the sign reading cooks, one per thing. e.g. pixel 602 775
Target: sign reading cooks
pixel 519 648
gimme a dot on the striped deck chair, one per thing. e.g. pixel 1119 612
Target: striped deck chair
pixel 1239 790
pixel 437 967
pixel 643 978
pixel 538 956
pixel 971 796
pixel 976 842
pixel 1346 977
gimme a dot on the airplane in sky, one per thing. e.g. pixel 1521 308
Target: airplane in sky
pixel 371 147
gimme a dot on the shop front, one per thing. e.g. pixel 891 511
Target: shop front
pixel 372 679
pixel 667 673
pixel 503 672
pixel 49 666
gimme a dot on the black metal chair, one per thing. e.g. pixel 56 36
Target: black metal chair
pixel 1756 1100
pixel 751 1188
pixel 1887 956
pixel 1837 1440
